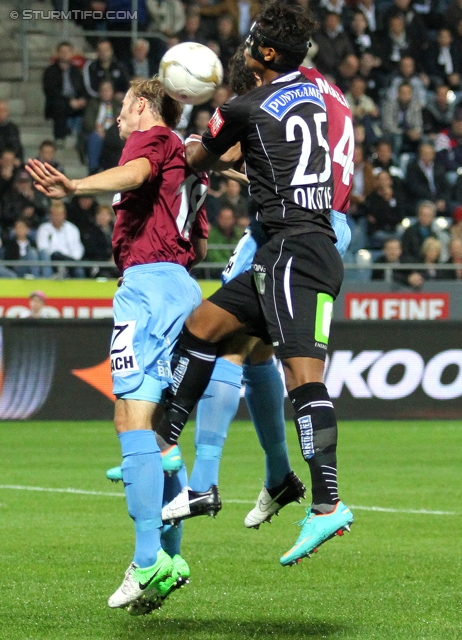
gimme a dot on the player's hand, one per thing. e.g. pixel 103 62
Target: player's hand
pixel 49 180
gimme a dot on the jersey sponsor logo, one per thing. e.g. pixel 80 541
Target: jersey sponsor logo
pixel 122 354
pixel 395 374
pixel 215 123
pixel 282 101
pixel 397 306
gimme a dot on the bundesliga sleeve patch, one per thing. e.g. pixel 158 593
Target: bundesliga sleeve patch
pixel 215 123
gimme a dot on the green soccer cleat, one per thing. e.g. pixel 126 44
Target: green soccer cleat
pixel 140 581
pixel 317 529
pixel 171 463
pixel 151 601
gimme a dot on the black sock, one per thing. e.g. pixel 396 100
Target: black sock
pixel 192 364
pixel 317 433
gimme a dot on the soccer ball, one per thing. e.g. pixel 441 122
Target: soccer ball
pixel 190 72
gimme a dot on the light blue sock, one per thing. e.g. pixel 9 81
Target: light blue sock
pixel 215 411
pixel 144 485
pixel 264 394
pixel 170 537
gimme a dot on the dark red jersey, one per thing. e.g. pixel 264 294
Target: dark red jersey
pixel 340 137
pixel 154 223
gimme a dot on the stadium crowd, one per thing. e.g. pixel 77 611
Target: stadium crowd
pixel 399 64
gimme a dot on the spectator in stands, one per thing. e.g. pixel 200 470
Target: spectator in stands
pixel 431 253
pixel 438 113
pixel 425 227
pixel 100 114
pixel 59 239
pixel 360 36
pixel 20 247
pixel 448 143
pixel 117 19
pixel 384 211
pixel 223 232
pixel 453 15
pixel 8 165
pixel 429 11
pixel 363 182
pixel 426 180
pixel 402 120
pixel 336 6
pixel 47 152
pixel 334 45
pixel 363 108
pixel 226 38
pixel 415 25
pixel 363 185
pixel 395 42
pixel 383 160
pixel 370 68
pixel 81 211
pixel 22 200
pixel 347 70
pixel 112 148
pixel 9 132
pixel 369 9
pixel 105 67
pixel 455 257
pixel 192 30
pixel 37 309
pixel 243 13
pixel 97 240
pixel 166 16
pixel 456 227
pixel 200 121
pixel 391 254
pixel 65 96
pixel 232 198
pixel 406 73
pixel 443 61
pixel 141 65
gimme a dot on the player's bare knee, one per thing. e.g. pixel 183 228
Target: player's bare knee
pixel 300 371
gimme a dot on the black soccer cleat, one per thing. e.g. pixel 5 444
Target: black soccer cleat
pixel 189 504
pixel 270 501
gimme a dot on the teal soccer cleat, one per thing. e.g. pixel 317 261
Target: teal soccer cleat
pixel 317 529
pixel 171 463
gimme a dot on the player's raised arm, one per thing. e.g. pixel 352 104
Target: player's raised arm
pixel 55 184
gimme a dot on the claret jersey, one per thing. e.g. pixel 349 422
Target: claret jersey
pixel 340 137
pixel 154 223
pixel 282 128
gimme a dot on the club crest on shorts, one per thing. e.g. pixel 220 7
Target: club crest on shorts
pixel 122 354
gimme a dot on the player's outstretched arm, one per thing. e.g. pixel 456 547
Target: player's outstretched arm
pixel 199 159
pixel 55 184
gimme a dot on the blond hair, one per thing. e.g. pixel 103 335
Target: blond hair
pixel 160 103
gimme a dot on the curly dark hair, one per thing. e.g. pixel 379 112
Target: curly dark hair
pixel 241 79
pixel 288 24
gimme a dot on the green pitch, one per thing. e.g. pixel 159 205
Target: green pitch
pixel 397 576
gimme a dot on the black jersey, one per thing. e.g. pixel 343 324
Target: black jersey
pixel 282 128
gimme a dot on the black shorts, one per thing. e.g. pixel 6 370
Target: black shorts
pixel 288 294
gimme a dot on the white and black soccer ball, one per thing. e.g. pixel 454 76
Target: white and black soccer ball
pixel 190 72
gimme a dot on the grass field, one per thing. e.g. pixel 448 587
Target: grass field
pixel 396 576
